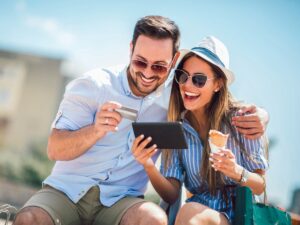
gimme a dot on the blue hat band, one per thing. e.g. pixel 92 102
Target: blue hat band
pixel 209 54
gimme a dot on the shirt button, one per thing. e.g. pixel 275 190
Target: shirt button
pixel 110 173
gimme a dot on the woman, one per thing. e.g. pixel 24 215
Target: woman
pixel 201 100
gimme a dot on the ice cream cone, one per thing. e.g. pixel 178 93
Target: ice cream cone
pixel 217 140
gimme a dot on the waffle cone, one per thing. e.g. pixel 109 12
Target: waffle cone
pixel 218 138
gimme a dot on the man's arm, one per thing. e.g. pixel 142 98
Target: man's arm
pixel 68 145
pixel 252 125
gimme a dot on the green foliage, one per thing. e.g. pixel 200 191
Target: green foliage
pixel 30 167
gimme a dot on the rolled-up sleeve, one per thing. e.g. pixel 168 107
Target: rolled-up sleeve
pixel 175 168
pixel 79 105
pixel 256 157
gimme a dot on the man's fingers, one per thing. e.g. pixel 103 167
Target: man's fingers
pixel 251 131
pixel 108 121
pixel 253 136
pixel 247 109
pixel 110 114
pixel 111 105
pixel 107 128
pixel 246 118
pixel 248 125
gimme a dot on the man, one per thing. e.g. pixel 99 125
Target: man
pixel 96 180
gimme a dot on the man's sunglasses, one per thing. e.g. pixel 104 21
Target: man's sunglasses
pixel 198 79
pixel 156 68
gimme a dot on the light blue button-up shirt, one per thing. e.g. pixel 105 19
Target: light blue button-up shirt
pixel 109 163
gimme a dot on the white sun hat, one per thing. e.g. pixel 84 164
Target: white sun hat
pixel 212 50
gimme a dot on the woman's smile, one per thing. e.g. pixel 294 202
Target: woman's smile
pixel 190 96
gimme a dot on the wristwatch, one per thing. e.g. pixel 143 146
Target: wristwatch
pixel 244 176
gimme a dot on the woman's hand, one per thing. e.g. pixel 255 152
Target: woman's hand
pixel 224 161
pixel 169 188
pixel 141 153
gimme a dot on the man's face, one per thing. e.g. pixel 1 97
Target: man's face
pixel 150 64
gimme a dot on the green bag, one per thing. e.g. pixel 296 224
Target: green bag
pixel 249 213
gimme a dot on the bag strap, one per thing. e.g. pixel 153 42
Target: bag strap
pixel 265 200
pixel 265 189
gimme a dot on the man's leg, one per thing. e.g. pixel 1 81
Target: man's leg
pixel 131 211
pixel 48 206
pixel 34 216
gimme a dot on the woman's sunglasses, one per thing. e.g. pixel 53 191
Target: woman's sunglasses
pixel 198 79
pixel 156 68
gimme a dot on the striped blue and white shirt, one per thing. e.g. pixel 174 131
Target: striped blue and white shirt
pixel 185 166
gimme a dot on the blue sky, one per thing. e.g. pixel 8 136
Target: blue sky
pixel 262 38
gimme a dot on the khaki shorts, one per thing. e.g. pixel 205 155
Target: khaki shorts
pixel 88 211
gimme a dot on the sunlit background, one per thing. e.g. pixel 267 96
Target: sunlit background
pixel 44 44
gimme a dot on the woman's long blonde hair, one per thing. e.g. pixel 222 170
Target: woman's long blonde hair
pixel 218 112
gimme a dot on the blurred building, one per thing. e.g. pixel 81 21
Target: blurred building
pixel 31 88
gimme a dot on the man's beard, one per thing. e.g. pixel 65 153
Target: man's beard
pixel 139 87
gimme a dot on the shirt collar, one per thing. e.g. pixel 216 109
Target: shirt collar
pixel 125 83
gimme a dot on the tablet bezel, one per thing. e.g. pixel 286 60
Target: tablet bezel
pixel 166 135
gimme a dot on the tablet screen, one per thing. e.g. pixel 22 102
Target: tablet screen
pixel 166 135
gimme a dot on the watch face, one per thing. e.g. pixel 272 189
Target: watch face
pixel 245 176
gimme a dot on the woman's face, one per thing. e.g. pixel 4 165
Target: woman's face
pixel 195 98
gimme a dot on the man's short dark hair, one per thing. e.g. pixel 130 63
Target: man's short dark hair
pixel 157 27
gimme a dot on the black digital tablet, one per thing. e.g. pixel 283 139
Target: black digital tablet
pixel 166 135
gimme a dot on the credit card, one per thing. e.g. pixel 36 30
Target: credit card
pixel 128 113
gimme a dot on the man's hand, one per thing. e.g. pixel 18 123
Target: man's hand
pixel 253 124
pixel 107 119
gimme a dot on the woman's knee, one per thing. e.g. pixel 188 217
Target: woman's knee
pixel 191 213
pixel 195 213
